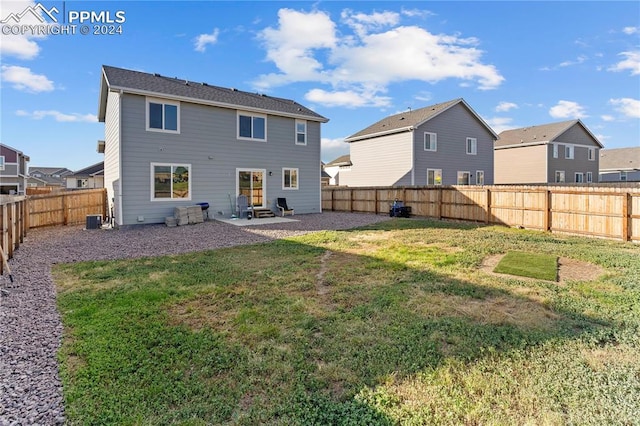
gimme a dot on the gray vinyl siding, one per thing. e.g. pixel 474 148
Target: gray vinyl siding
pixel 381 161
pixel 10 170
pixel 579 164
pixel 208 143
pixel 453 127
pixel 112 152
pixel 632 176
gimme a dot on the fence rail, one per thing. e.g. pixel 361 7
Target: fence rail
pixel 599 211
pixel 66 208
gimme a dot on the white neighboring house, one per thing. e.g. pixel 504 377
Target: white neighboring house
pixel 334 168
pixel 88 178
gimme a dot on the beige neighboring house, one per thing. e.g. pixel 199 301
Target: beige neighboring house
pixel 333 168
pixel 564 152
pixel 620 165
pixel 13 171
pixel 88 178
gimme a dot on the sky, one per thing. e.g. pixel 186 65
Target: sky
pixel 515 63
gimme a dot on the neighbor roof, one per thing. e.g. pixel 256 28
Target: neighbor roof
pixel 142 83
pixel 96 169
pixel 409 120
pixel 540 134
pixel 620 159
pixel 343 160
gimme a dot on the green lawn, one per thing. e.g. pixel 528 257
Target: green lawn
pixel 391 324
pixel 532 265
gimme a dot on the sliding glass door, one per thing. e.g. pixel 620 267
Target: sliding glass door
pixel 250 182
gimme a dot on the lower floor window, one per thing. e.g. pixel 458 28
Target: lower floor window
pixel 479 177
pixel 559 176
pixel 463 178
pixel 579 177
pixel 589 177
pixel 434 176
pixel 289 178
pixel 170 181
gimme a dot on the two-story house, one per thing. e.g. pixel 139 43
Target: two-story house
pixel 13 171
pixel 53 177
pixel 549 153
pixel 443 144
pixel 171 142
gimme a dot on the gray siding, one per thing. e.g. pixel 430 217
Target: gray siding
pixel 453 127
pixel 576 135
pixel 112 154
pixel 579 164
pixel 208 143
pixel 10 170
pixel 382 161
pixel 632 176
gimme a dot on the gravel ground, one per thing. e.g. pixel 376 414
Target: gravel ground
pixel 30 328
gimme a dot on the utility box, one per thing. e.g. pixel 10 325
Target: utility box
pixel 94 221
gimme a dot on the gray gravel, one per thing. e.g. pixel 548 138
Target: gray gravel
pixel 30 328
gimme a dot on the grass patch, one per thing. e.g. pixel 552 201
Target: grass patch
pixel 389 324
pixel 531 265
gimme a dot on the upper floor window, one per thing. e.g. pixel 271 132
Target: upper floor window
pixel 252 126
pixel 163 116
pixel 289 178
pixel 1 162
pixel 592 154
pixel 301 132
pixel 472 146
pixel 555 150
pixel 430 141
pixel 170 182
pixel 568 152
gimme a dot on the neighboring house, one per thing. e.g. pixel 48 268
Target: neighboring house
pixel 88 178
pixel 324 176
pixel 333 168
pixel 548 153
pixel 442 144
pixel 51 176
pixel 620 165
pixel 13 171
pixel 171 142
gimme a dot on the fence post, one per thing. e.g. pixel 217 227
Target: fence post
pixel 626 202
pixel 547 211
pixel 488 217
pixel 65 213
pixel 3 222
pixel 439 203
pixel 333 191
pixel 10 230
pixel 375 208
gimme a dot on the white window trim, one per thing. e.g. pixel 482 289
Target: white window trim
pixel 556 176
pixel 478 173
pixel 555 150
pixel 296 131
pixel 284 188
pixel 172 165
pixel 474 146
pixel 591 154
pixel 575 177
pixel 623 173
pixel 252 115
pixel 570 150
pixel 435 141
pixel 162 102
pixel 434 176
pixel 458 176
pixel 589 177
pixel 2 162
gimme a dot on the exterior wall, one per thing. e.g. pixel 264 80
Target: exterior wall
pixel 382 161
pixel 112 155
pixel 576 135
pixel 13 178
pixel 632 176
pixel 208 143
pixel 453 127
pixel 92 182
pixel 580 163
pixel 521 165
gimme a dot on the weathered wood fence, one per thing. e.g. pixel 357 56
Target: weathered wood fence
pixel 19 213
pixel 598 211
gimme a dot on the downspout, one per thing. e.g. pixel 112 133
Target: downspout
pixel 119 210
pixel 413 156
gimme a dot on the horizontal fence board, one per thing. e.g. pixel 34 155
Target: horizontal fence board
pixel 603 210
pixel 66 208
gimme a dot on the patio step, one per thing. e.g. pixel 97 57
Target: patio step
pixel 260 213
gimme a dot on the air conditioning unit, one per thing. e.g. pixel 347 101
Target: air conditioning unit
pixel 94 221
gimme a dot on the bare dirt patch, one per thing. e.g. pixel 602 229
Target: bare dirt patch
pixel 568 269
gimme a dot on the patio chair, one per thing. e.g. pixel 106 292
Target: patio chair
pixel 243 206
pixel 282 206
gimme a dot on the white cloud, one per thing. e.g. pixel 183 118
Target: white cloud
pixel 346 98
pixel 627 106
pixel 424 96
pixel 21 78
pixel 59 116
pixel 500 124
pixel 567 109
pixel 505 106
pixel 607 117
pixel 22 46
pixel 631 30
pixel 327 143
pixel 203 40
pixel 308 47
pixel 579 60
pixel 631 63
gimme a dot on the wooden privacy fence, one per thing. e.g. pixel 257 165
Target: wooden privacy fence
pixel 66 208
pixel 14 223
pixel 599 211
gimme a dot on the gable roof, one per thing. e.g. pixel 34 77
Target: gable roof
pixel 17 151
pixel 50 171
pixel 145 84
pixel 620 159
pixel 96 169
pixel 410 120
pixel 540 134
pixel 343 160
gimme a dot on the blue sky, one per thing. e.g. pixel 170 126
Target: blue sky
pixel 516 63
